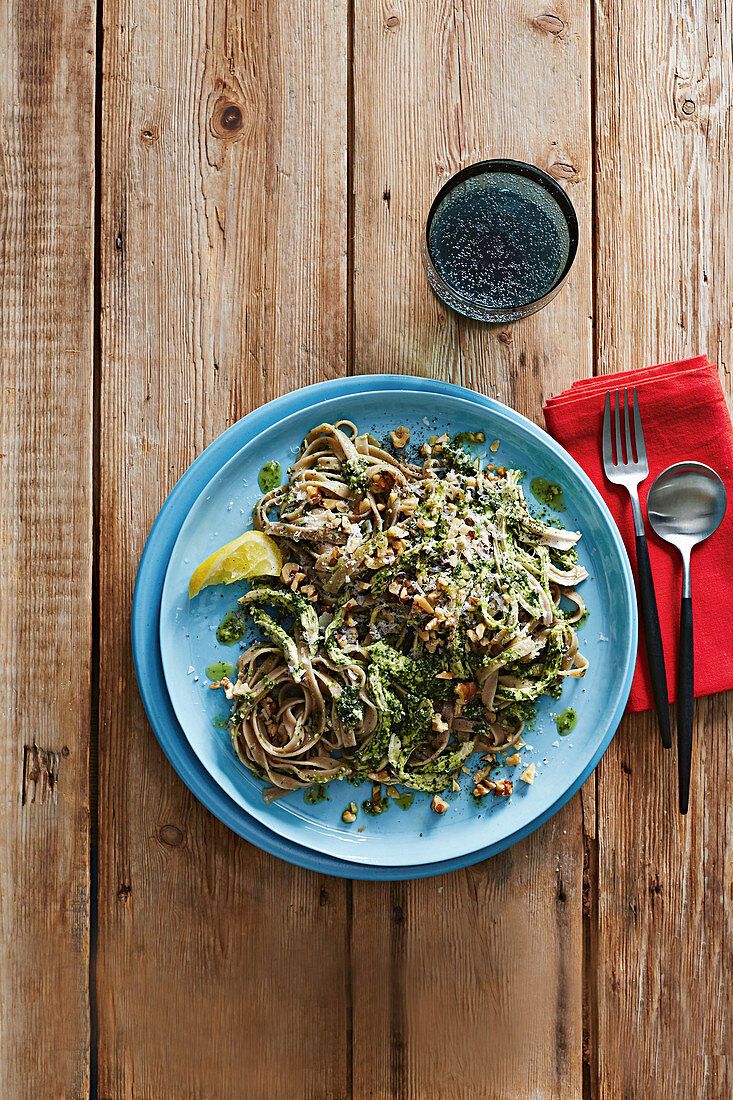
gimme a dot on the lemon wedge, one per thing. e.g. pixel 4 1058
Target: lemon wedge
pixel 251 555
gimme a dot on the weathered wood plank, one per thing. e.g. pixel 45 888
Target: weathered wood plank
pixel 665 80
pixel 476 989
pixel 46 373
pixel 223 972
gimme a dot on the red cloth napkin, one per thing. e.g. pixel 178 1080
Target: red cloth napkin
pixel 685 417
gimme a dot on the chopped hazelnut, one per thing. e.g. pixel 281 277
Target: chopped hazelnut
pixel 503 788
pixel 438 805
pixel 401 437
pixel 439 725
pixel 528 775
pixel 513 760
pixel 288 571
pixel 465 691
pixel 349 814
pixel 494 446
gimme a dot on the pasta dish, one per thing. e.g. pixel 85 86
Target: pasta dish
pixel 416 621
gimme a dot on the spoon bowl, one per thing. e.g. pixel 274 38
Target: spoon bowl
pixel 686 504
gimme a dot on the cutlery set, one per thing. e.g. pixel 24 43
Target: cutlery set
pixel 685 505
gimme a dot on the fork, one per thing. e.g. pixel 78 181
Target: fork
pixel 630 474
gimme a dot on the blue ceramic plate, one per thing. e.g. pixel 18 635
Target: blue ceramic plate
pixel 418 836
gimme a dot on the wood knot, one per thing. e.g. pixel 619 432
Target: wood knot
pixel 505 337
pixel 564 170
pixel 171 835
pixel 549 23
pixel 392 21
pixel 688 107
pixel 148 134
pixel 124 892
pixel 227 120
pixel 323 897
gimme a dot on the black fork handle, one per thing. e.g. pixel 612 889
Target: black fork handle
pixel 653 639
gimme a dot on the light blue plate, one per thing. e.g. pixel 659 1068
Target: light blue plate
pixel 416 837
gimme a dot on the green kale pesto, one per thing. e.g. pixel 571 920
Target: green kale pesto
pixel 566 721
pixel 369 806
pixel 270 476
pixel 455 458
pixel 469 437
pixel 354 471
pixel 548 493
pixel 315 793
pixel 349 707
pixel 221 721
pixel 404 799
pixel 232 628
pixel 217 669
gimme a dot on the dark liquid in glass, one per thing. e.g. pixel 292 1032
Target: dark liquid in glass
pixel 499 239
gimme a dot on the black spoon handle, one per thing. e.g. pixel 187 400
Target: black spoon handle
pixel 653 639
pixel 685 702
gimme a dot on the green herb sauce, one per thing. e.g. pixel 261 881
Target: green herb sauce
pixel 218 669
pixel 404 800
pixel 315 793
pixel 582 620
pixel 469 437
pixel 221 721
pixel 566 721
pixel 232 628
pixel 270 476
pixel 548 493
pixel 375 808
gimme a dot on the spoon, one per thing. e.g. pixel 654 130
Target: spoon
pixel 686 504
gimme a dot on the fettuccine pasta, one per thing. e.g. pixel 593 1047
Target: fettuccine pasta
pixel 416 621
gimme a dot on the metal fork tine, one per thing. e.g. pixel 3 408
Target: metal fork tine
pixel 619 452
pixel 627 426
pixel 607 448
pixel 638 432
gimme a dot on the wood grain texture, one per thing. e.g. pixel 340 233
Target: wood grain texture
pixel 470 984
pixel 46 371
pixel 665 82
pixel 222 971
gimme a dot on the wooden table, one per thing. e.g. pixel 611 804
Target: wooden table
pixel 205 205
